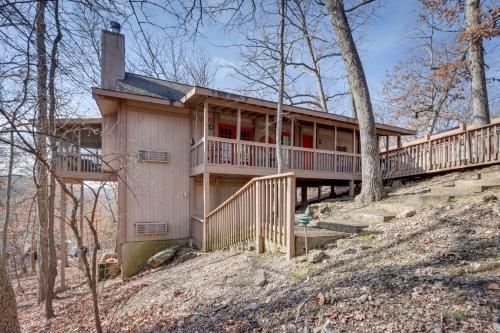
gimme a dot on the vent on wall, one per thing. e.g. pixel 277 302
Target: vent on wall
pixel 153 156
pixel 150 228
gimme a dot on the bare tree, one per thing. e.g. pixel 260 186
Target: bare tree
pixel 8 309
pixel 370 159
pixel 281 89
pixel 479 94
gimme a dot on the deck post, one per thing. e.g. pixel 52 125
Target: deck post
pixel 335 148
pixel 303 196
pixel 267 140
pixel 290 217
pixel 196 124
pixel 351 188
pixel 206 209
pixel 292 141
pixel 429 162
pixel 319 192
pixel 81 210
pixel 259 243
pixel 205 131
pixel 398 163
pixel 62 245
pixel 238 137
pixel 315 165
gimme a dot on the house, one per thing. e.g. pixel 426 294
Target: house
pixel 178 151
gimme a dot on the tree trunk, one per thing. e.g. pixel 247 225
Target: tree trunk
pixel 281 89
pixel 51 279
pixel 41 171
pixel 8 199
pixel 370 159
pixel 8 309
pixel 480 107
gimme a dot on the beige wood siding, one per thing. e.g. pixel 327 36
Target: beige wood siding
pixel 110 142
pixel 158 192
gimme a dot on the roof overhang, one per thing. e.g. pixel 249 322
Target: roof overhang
pixel 198 94
pixel 108 100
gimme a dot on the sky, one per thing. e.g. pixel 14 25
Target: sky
pixel 382 45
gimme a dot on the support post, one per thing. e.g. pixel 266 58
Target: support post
pixel 351 188
pixel 429 157
pixel 62 245
pixel 205 131
pixel 314 146
pixel 267 140
pixel 292 142
pixel 303 196
pixel 335 148
pixel 196 124
pixel 290 217
pixel 206 208
pixel 238 138
pixel 259 241
pixel 81 211
pixel 398 164
pixel 319 192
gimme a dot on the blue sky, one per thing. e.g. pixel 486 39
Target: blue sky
pixel 383 43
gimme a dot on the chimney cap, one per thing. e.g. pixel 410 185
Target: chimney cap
pixel 114 27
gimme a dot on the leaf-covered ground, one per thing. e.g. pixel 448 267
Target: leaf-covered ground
pixel 437 271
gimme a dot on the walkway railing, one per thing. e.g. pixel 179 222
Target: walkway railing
pixel 231 152
pixel 262 211
pixel 460 148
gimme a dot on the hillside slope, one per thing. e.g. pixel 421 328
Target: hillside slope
pixel 437 271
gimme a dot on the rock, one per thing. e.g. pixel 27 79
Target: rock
pixel 261 279
pixel 489 197
pixel 363 298
pixel 163 257
pixel 406 213
pixel 254 306
pixel 187 256
pixel 437 285
pixel 449 183
pixel 492 286
pixel 270 288
pixel 316 256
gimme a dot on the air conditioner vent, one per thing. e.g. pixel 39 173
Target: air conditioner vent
pixel 153 156
pixel 150 228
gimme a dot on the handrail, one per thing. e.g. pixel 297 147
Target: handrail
pixel 456 149
pixel 247 185
pixel 262 210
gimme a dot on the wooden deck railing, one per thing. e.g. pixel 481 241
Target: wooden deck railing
pixel 231 152
pixel 262 211
pixel 75 162
pixel 456 149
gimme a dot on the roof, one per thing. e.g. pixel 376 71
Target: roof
pixel 173 93
pixel 147 86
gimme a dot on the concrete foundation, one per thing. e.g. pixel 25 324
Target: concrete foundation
pixel 136 254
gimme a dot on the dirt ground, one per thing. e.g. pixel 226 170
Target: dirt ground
pixel 437 271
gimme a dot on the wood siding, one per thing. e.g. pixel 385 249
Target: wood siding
pixel 157 192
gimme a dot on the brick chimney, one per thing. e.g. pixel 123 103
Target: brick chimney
pixel 112 56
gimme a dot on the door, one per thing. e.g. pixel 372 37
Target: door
pixel 225 150
pixel 246 158
pixel 307 142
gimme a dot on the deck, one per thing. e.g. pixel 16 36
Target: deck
pixel 82 167
pixel 237 157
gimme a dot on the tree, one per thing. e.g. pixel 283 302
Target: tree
pixel 281 89
pixel 8 309
pixel 479 91
pixel 370 160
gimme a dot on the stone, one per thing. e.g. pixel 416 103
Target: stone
pixel 188 256
pixel 316 256
pixel 363 298
pixel 489 197
pixel 406 213
pixel 261 279
pixel 270 288
pixel 254 306
pixel 163 257
pixel 437 285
